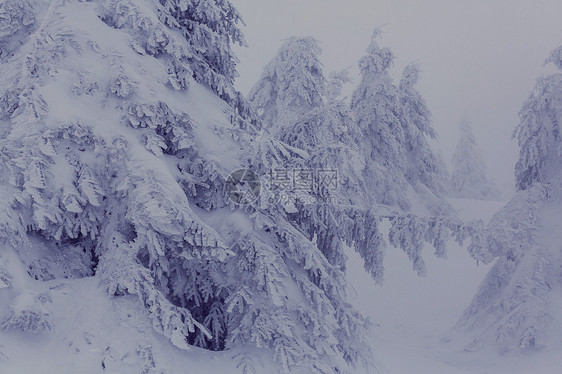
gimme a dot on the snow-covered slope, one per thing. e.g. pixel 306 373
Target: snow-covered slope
pixel 121 250
pixel 516 308
pixel 413 317
pixel 96 334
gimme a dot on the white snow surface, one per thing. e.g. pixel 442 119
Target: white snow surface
pixel 412 319
pixel 94 333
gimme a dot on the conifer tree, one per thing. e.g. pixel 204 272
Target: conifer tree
pixel 469 179
pixel 107 160
pixel 395 124
pixel 328 133
pixel 291 85
pixel 425 167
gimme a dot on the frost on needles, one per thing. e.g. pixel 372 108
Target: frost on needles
pixel 109 162
pixel 301 107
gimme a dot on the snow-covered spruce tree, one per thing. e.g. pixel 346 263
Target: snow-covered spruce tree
pixel 350 214
pixel 395 122
pixel 425 167
pixel 313 137
pixel 321 127
pixel 401 171
pixel 291 85
pixel 515 308
pixel 468 178
pixel 376 111
pixel 109 161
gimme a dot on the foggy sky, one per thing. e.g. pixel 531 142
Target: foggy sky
pixel 479 57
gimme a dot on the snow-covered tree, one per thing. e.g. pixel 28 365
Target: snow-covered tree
pixel 376 111
pixel 110 163
pixel 424 166
pixel 324 128
pixel 395 122
pixel 515 306
pixel 291 85
pixel 468 178
pixel 309 115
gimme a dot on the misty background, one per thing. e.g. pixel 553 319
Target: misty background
pixel 478 57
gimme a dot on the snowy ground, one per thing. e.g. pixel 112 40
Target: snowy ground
pixel 413 318
pixel 96 334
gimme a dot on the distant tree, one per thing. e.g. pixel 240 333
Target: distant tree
pixel 468 178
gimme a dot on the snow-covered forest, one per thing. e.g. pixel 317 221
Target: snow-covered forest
pixel 162 212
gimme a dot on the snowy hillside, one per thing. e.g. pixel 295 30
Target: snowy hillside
pixel 411 316
pixel 154 220
pixel 414 317
pixel 95 334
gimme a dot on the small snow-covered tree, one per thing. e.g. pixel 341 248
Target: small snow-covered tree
pixel 468 178
pixel 291 85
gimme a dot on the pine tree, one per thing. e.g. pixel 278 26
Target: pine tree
pixel 469 179
pixel 120 183
pixel 425 167
pixel 395 124
pixel 291 85
pixel 320 124
pixel 330 138
pixel 375 108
